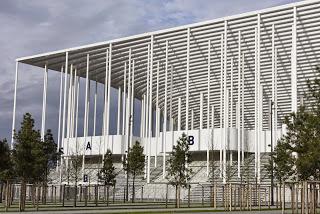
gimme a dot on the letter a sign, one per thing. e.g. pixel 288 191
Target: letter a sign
pixel 88 146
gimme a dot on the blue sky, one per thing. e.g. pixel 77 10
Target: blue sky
pixel 35 26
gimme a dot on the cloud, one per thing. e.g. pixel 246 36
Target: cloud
pixel 35 26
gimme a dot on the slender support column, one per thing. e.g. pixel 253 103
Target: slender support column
pixel 260 129
pixel 132 104
pixel 208 86
pixel 86 109
pixel 187 81
pixel 192 119
pixel 64 100
pixel 124 99
pixel 146 111
pixel 119 111
pixel 108 97
pixel 179 114
pixel 95 109
pixel 273 88
pixel 256 86
pixel 221 105
pixel 201 111
pixel 259 114
pixel 239 104
pixel 77 107
pixel 157 116
pixel 257 98
pixel 69 105
pixel 242 109
pixel 226 104
pixel 105 105
pixel 275 95
pixel 73 101
pixel 142 118
pixel 231 94
pixel 64 112
pixel 150 108
pixel 239 133
pixel 171 94
pixel 294 92
pixel 44 101
pixel 60 107
pixel 14 105
pixel 165 116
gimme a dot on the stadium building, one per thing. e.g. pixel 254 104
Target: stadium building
pixel 227 83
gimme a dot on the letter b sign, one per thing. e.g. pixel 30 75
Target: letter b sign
pixel 190 140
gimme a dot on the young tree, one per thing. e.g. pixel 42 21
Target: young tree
pixel 134 164
pixel 6 169
pixel 73 170
pixel 107 174
pixel 178 172
pixel 283 167
pixel 28 155
pixel 299 149
pixel 51 156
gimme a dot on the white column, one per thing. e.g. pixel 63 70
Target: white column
pixel 105 105
pixel 165 116
pixel 192 119
pixel 275 124
pixel 74 84
pixel 179 114
pixel 14 105
pixel 201 111
pixel 273 87
pixel 221 105
pixel 146 112
pixel 242 109
pixel 187 81
pixel 294 95
pixel 60 106
pixel 231 94
pixel 95 109
pixel 260 129
pixel 256 86
pixel 64 100
pixel 119 111
pixel 142 118
pixel 132 103
pixel 171 93
pixel 208 89
pixel 150 108
pixel 86 109
pixel 226 98
pixel 124 101
pixel 108 97
pixel 69 104
pixel 239 104
pixel 238 131
pixel 44 101
pixel 77 106
pixel 157 116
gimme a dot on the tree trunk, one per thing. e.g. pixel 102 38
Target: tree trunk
pixel 37 196
pixel 7 196
pixel 108 194
pixel 75 195
pixel 178 198
pixel 22 196
pixel 134 177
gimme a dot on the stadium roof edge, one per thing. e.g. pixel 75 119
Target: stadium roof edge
pixel 136 36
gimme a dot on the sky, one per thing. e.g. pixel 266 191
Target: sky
pixel 37 26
